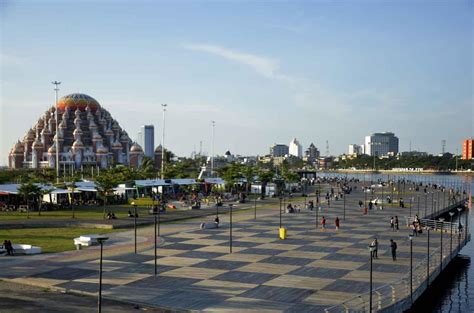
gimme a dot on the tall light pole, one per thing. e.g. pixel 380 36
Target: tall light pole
pixel 99 300
pixel 230 232
pixel 212 148
pixel 451 233
pixel 56 89
pixel 163 143
pixel 410 237
pixel 371 249
pixel 441 246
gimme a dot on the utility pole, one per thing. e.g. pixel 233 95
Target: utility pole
pixel 212 148
pixel 56 89
pixel 163 143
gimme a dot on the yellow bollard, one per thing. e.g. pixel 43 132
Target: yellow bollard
pixel 283 233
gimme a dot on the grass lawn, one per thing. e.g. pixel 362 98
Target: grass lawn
pixel 80 213
pixel 49 239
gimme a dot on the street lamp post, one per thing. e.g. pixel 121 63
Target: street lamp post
pixel 371 249
pixel 441 246
pixel 411 268
pixel 255 204
pixel 280 212
pixel 418 210
pixel 163 143
pixel 135 225
pixel 156 214
pixel 230 233
pixel 101 241
pixel 213 123
pixel 451 233
pixel 56 89
pixel 459 228
pixel 344 198
pixel 428 260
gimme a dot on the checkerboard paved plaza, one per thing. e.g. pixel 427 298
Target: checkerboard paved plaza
pixel 311 270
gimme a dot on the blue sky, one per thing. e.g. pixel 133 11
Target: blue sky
pixel 264 71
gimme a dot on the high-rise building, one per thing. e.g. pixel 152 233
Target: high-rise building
pixel 148 133
pixel 355 149
pixel 295 148
pixel 279 150
pixel 311 154
pixel 467 149
pixel 380 144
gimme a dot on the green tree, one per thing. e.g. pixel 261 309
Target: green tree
pixel 29 191
pixel 106 183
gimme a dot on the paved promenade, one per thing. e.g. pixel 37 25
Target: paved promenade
pixel 310 271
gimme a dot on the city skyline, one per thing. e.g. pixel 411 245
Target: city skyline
pixel 348 75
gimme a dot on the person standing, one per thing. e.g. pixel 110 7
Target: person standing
pixel 375 245
pixel 323 222
pixel 336 221
pixel 393 247
pixel 392 224
pixel 396 222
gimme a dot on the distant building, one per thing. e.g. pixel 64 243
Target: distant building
pixel 355 149
pixel 467 149
pixel 311 154
pixel 381 144
pixel 279 150
pixel 325 162
pixel 148 133
pixel 296 149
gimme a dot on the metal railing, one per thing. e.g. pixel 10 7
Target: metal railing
pixel 424 273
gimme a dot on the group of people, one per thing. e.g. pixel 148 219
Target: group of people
pixel 336 222
pixel 111 216
pixel 394 225
pixel 375 249
pixel 7 245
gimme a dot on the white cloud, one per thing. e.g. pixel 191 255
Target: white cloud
pixel 265 66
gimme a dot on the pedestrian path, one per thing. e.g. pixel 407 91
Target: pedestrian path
pixel 311 270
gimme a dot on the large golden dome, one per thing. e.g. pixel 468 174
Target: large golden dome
pixel 77 101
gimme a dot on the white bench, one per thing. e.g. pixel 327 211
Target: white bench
pixel 86 241
pixel 209 225
pixel 25 249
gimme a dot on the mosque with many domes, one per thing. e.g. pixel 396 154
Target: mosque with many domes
pixel 86 136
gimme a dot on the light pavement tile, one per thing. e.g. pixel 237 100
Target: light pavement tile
pixel 323 297
pixel 113 278
pixel 378 277
pixel 268 268
pixel 257 239
pixel 353 251
pixel 106 266
pixel 243 233
pixel 205 241
pixel 193 272
pixel 188 235
pixel 37 281
pixel 163 252
pixel 293 281
pixel 277 246
pixel 177 261
pixel 220 249
pixel 338 244
pixel 303 254
pixel 349 265
pixel 223 287
pixel 242 257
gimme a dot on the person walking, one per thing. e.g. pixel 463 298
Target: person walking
pixel 392 224
pixel 323 222
pixel 393 247
pixel 396 222
pixel 414 229
pixel 336 221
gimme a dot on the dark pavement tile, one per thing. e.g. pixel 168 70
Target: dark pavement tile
pixel 245 277
pixel 281 294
